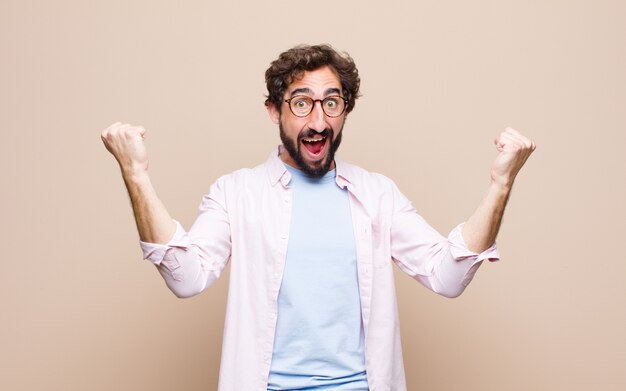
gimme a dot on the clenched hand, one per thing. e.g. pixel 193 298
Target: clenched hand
pixel 125 142
pixel 514 149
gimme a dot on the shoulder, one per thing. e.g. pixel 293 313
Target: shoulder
pixel 361 178
pixel 242 178
pixel 377 193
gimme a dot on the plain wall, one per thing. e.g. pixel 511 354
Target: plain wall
pixel 440 80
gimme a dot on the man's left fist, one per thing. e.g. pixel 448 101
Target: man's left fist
pixel 514 149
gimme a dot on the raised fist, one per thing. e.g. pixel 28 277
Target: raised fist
pixel 514 149
pixel 125 142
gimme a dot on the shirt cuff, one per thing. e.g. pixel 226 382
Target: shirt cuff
pixel 460 252
pixel 154 252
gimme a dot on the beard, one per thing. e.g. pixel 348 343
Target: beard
pixel 294 147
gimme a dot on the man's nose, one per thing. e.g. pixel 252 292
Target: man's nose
pixel 317 120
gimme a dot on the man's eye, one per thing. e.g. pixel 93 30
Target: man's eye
pixel 331 103
pixel 301 103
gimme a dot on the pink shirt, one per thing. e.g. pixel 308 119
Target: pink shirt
pixel 245 218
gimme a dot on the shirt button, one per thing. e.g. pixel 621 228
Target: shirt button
pixel 283 236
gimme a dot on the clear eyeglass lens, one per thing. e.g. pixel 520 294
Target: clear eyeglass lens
pixel 333 105
pixel 302 105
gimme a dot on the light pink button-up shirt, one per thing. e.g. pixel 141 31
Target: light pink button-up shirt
pixel 245 218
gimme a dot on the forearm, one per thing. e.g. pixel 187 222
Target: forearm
pixel 125 143
pixel 480 230
pixel 154 223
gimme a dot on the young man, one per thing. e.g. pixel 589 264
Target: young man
pixel 311 240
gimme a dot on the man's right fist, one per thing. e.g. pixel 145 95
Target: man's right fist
pixel 125 142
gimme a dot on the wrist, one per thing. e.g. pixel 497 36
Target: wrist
pixel 135 175
pixel 500 189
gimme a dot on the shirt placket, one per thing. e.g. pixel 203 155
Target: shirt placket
pixel 286 200
pixel 362 226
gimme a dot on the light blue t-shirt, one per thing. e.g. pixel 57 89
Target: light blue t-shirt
pixel 319 334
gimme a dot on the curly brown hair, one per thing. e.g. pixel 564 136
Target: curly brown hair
pixel 291 64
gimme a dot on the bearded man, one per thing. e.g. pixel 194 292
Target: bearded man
pixel 311 240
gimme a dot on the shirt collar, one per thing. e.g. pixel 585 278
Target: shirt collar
pixel 277 171
pixel 345 174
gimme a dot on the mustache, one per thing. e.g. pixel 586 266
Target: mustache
pixel 310 133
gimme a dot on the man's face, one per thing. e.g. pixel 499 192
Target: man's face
pixel 310 142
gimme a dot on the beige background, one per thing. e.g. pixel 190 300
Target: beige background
pixel 82 311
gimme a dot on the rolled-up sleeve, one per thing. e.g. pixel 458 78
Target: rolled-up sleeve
pixel 191 261
pixel 155 252
pixel 465 262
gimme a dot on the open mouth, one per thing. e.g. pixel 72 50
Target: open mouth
pixel 314 145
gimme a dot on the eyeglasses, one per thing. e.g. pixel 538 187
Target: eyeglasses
pixel 302 105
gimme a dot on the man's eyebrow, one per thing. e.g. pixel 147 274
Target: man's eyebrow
pixel 301 90
pixel 307 91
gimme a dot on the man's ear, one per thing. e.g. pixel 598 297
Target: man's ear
pixel 273 113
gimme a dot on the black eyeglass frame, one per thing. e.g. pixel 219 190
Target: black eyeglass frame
pixel 345 104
